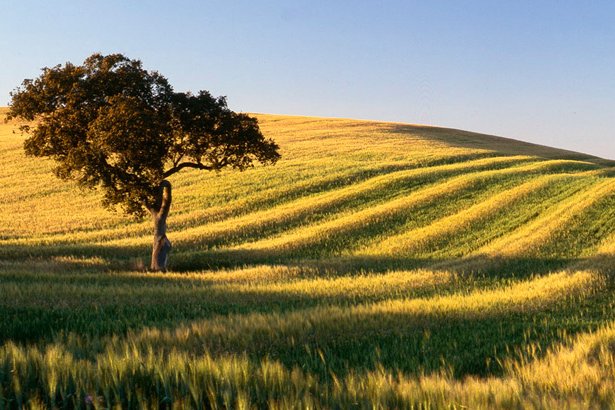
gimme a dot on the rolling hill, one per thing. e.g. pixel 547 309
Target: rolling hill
pixel 377 264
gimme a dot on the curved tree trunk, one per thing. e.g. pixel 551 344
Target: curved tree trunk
pixel 162 245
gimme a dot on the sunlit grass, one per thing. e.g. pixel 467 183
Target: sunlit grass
pixel 377 265
pixel 526 239
pixel 412 240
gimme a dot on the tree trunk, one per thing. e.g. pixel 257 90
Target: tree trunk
pixel 160 212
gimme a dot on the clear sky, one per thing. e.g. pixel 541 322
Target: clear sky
pixel 539 71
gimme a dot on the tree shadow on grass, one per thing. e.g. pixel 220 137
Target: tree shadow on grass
pixel 104 258
pixel 72 256
pixel 477 266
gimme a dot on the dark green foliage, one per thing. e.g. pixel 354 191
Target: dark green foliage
pixel 112 124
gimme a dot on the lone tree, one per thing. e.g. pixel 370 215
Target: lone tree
pixel 111 124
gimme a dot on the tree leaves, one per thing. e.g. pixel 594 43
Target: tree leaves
pixel 111 124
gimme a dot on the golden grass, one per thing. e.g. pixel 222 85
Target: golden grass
pixel 350 221
pixel 320 282
pixel 399 315
pixel 525 240
pixel 410 241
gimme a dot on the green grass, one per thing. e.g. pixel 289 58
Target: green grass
pixel 377 265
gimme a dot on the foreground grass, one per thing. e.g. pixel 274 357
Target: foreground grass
pixel 486 346
pixel 377 265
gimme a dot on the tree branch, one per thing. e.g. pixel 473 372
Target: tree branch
pixel 183 165
pixel 177 161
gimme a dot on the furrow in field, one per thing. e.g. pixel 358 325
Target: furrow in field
pixel 528 239
pixel 104 225
pixel 240 194
pixel 603 258
pixel 583 232
pixel 606 247
pixel 328 204
pixel 188 211
pixel 398 212
pixel 507 219
pixel 413 241
pixel 293 212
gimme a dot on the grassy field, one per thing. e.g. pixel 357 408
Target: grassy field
pixel 377 265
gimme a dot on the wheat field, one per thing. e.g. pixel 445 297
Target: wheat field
pixel 377 265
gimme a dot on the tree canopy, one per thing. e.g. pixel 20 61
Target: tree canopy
pixel 110 123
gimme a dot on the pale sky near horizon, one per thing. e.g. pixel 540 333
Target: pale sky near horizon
pixel 538 71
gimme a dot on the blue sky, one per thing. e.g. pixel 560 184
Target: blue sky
pixel 539 71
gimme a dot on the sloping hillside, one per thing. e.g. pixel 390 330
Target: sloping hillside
pixel 375 263
pixel 345 189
